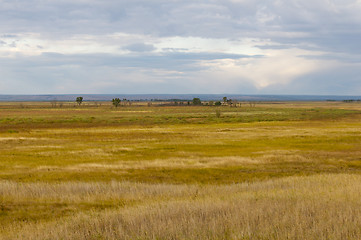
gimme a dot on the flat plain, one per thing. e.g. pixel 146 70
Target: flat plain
pixel 273 170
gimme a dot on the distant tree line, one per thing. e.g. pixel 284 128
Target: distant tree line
pixel 116 102
pixel 225 102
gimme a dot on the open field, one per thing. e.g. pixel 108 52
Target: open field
pixel 274 171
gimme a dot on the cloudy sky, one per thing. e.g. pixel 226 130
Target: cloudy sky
pixel 180 46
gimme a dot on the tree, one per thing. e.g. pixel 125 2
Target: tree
pixel 79 100
pixel 53 103
pixel 218 103
pixel 116 102
pixel 230 102
pixel 197 101
pixel 224 99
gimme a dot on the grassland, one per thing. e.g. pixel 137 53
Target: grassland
pixel 273 171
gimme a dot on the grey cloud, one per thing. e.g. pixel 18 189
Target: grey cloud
pixel 169 61
pixel 324 27
pixel 329 25
pixel 8 36
pixel 338 81
pixel 158 18
pixel 345 58
pixel 167 72
pixel 174 49
pixel 116 74
pixel 283 46
pixel 140 47
pixel 13 44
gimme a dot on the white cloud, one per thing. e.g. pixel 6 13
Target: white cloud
pixel 278 67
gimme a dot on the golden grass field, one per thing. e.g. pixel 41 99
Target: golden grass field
pixel 286 170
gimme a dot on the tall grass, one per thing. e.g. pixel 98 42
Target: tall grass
pixel 314 207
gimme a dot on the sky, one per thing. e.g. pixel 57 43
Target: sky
pixel 304 47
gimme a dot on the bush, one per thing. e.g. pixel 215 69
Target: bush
pixel 197 101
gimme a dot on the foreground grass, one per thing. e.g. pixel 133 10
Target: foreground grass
pixel 288 208
pixel 274 171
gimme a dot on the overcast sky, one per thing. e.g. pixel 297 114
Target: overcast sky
pixel 180 46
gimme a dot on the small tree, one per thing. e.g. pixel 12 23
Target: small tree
pixel 116 102
pixel 79 100
pixel 230 102
pixel 197 101
pixel 53 103
pixel 224 99
pixel 218 103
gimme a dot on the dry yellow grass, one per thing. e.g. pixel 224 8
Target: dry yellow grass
pixel 274 171
pixel 313 207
